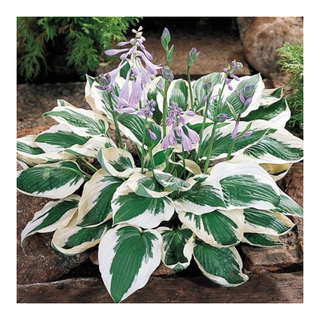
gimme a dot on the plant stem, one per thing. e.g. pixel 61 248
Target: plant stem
pixel 142 146
pixel 115 122
pixel 202 128
pixel 184 163
pixel 230 149
pixel 190 89
pixel 210 146
pixel 217 110
pixel 88 164
pixel 151 158
pixel 165 107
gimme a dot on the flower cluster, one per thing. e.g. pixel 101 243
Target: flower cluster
pixel 229 73
pixel 179 132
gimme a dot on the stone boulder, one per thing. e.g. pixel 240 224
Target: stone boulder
pixel 264 35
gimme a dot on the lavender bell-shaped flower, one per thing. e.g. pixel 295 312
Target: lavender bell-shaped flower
pixel 179 130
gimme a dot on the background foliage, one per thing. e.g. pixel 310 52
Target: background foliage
pixel 79 43
pixel 291 61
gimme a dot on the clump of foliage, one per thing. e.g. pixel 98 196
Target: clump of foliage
pixel 163 170
pixel 291 61
pixel 82 41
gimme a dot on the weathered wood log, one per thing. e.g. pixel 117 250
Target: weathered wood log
pixel 262 288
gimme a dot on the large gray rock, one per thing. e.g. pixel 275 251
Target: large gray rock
pixel 264 35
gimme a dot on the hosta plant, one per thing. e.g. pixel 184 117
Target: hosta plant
pixel 163 170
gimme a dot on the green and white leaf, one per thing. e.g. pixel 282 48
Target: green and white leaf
pixel 72 239
pixel 198 90
pixel 274 224
pixel 53 215
pixel 58 138
pixel 204 196
pixel 146 186
pixel 143 211
pixel 54 181
pixel 221 265
pixel 177 247
pixel 271 109
pixel 82 122
pixel 118 162
pixel 159 157
pixel 127 257
pixel 91 148
pixel 223 139
pixel 178 92
pixel 95 203
pixel 277 146
pixel 288 206
pixel 134 128
pixel 245 185
pixel 168 181
pixel 29 154
pixel 99 100
pixel 218 228
pixel 233 98
pixel 261 240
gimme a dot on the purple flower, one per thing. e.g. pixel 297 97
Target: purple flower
pixel 152 135
pixel 222 117
pixel 148 109
pixel 138 57
pixel 229 72
pixel 235 131
pixel 106 81
pixel 179 130
pixel 246 94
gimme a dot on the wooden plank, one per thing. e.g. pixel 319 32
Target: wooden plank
pixel 261 288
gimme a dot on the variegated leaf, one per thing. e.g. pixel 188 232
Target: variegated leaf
pixel 233 97
pixel 143 211
pixel 203 197
pixel 277 146
pixel 258 221
pixel 127 257
pixel 221 265
pixel 29 154
pixel 245 185
pixel 198 88
pixel 51 216
pixel 271 109
pixel 72 239
pixel 177 247
pixel 98 99
pixel 171 182
pixel 146 186
pixel 218 228
pixel 178 92
pixel 55 181
pixel 82 122
pixel 117 162
pixel 261 240
pixel 59 137
pixel 95 202
pixel 134 127
pixel 288 206
pixel 91 148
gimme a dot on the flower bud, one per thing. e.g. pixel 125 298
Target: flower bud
pixel 167 74
pixel 192 57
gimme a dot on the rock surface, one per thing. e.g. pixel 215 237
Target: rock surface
pixel 37 261
pixel 264 35
pixel 262 288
